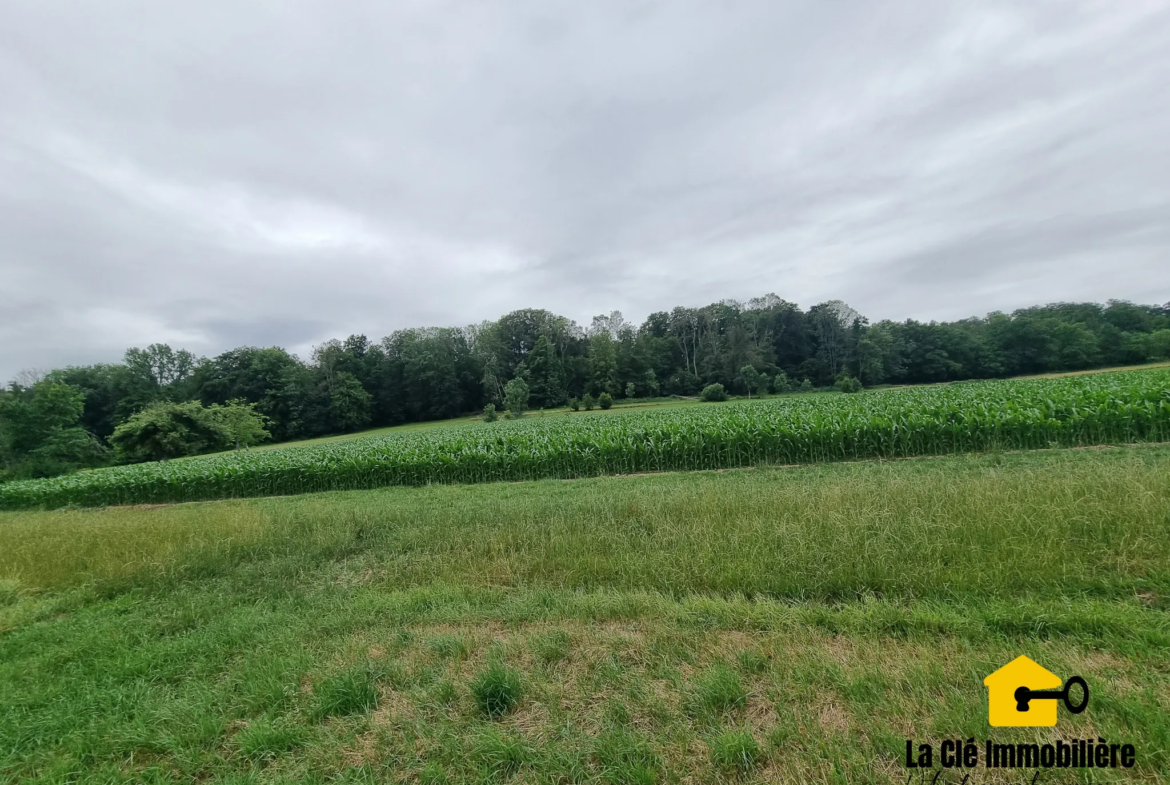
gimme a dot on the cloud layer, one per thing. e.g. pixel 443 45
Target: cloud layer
pixel 284 172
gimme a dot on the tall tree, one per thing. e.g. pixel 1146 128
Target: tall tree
pixel 39 431
pixel 545 377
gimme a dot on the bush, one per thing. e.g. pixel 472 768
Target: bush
pixel 713 392
pixel 350 691
pixel 735 751
pixel 574 404
pixel 169 430
pixel 846 383
pixel 605 400
pixel 496 691
pixel 631 390
pixel 806 386
pixel 489 413
pixel 588 402
pixel 780 383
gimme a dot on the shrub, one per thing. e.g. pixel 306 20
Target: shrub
pixel 631 390
pixel 714 392
pixel 496 691
pixel 489 413
pixel 605 400
pixel 780 383
pixel 169 430
pixel 806 386
pixel 350 691
pixel 846 383
pixel 735 751
pixel 574 404
pixel 588 402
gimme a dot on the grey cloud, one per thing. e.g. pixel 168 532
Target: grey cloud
pixel 218 174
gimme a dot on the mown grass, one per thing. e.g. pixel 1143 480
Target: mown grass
pixel 751 626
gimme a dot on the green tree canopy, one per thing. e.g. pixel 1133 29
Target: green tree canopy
pixel 516 397
pixel 170 430
pixel 39 431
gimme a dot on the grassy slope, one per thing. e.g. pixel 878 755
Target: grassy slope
pixel 638 405
pixel 825 611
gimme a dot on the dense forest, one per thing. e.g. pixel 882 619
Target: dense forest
pixel 161 402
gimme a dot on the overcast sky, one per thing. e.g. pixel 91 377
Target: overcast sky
pixel 221 173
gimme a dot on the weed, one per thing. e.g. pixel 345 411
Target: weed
pixel 432 774
pixel 626 758
pixel 502 753
pixel 717 690
pixel 443 692
pixel 353 690
pixel 448 647
pixel 734 750
pixel 752 662
pixel 10 591
pixel 497 690
pixel 551 646
pixel 265 738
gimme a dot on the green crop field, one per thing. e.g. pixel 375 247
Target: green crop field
pixel 1019 414
pixel 760 625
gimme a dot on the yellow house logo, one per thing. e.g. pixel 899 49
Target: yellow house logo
pixel 1022 694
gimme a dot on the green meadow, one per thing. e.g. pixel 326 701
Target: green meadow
pixel 753 625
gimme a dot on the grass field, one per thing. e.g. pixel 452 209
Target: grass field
pixel 756 625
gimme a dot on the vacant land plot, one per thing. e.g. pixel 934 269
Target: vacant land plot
pixel 763 625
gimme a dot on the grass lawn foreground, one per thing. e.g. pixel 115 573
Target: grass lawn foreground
pixel 757 625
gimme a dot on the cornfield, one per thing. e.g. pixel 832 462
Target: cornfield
pixel 1021 414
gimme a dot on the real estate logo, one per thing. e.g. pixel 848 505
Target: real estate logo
pixel 1023 694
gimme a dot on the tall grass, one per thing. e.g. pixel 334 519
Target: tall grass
pixel 1047 523
pixel 1073 411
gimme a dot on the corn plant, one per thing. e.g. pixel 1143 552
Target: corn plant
pixel 938 420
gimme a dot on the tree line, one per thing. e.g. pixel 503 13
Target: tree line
pixel 161 402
